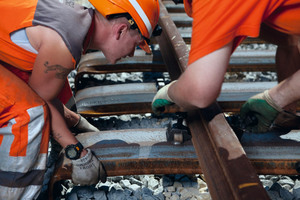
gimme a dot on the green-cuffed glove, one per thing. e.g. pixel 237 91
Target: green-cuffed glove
pixel 263 108
pixel 162 99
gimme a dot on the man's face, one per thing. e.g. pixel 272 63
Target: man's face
pixel 124 47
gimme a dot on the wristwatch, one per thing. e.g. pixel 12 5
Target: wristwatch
pixel 73 151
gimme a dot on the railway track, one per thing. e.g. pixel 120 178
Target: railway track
pixel 226 158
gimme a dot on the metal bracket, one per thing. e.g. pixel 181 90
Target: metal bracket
pixel 178 133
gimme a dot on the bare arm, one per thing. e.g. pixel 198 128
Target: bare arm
pixel 287 91
pixel 52 65
pixel 287 63
pixel 200 84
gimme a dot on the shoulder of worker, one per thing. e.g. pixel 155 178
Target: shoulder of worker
pixel 71 22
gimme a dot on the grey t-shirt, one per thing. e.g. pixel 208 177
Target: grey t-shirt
pixel 71 23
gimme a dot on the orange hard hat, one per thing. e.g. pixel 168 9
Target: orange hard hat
pixel 188 7
pixel 145 14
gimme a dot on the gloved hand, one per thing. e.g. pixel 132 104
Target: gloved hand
pixel 83 126
pixel 162 99
pixel 263 108
pixel 88 170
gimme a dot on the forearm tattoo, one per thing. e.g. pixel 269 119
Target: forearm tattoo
pixel 56 136
pixel 61 72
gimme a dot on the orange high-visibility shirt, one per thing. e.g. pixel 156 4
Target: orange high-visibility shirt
pixel 216 23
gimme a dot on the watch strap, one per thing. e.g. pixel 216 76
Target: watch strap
pixel 79 147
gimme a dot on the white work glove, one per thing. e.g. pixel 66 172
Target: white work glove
pixel 162 99
pixel 88 170
pixel 83 126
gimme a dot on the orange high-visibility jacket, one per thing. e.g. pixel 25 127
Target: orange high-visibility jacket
pixel 216 23
pixel 18 14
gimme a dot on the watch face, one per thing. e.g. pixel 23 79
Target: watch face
pixel 72 153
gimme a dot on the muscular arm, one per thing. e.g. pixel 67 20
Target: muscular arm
pixel 200 84
pixel 52 65
pixel 287 63
pixel 287 91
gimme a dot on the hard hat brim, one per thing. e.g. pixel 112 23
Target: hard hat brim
pixel 145 47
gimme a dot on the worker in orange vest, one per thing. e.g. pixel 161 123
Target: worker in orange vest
pixel 218 28
pixel 39 46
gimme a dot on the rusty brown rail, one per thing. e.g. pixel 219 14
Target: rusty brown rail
pixel 133 98
pixel 246 60
pixel 148 151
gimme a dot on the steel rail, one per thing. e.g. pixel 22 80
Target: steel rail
pixel 96 63
pixel 152 145
pixel 149 151
pixel 220 154
pixel 137 97
pixel 130 152
pixel 130 98
pixel 241 60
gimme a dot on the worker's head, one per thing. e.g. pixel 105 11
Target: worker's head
pixel 142 15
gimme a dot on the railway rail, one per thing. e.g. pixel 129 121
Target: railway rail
pixel 211 147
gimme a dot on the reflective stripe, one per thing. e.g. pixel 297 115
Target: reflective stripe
pixel 143 15
pixel 33 159
pixel 28 193
pixel 16 179
pixel 8 138
pixel 21 177
pixel 7 129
